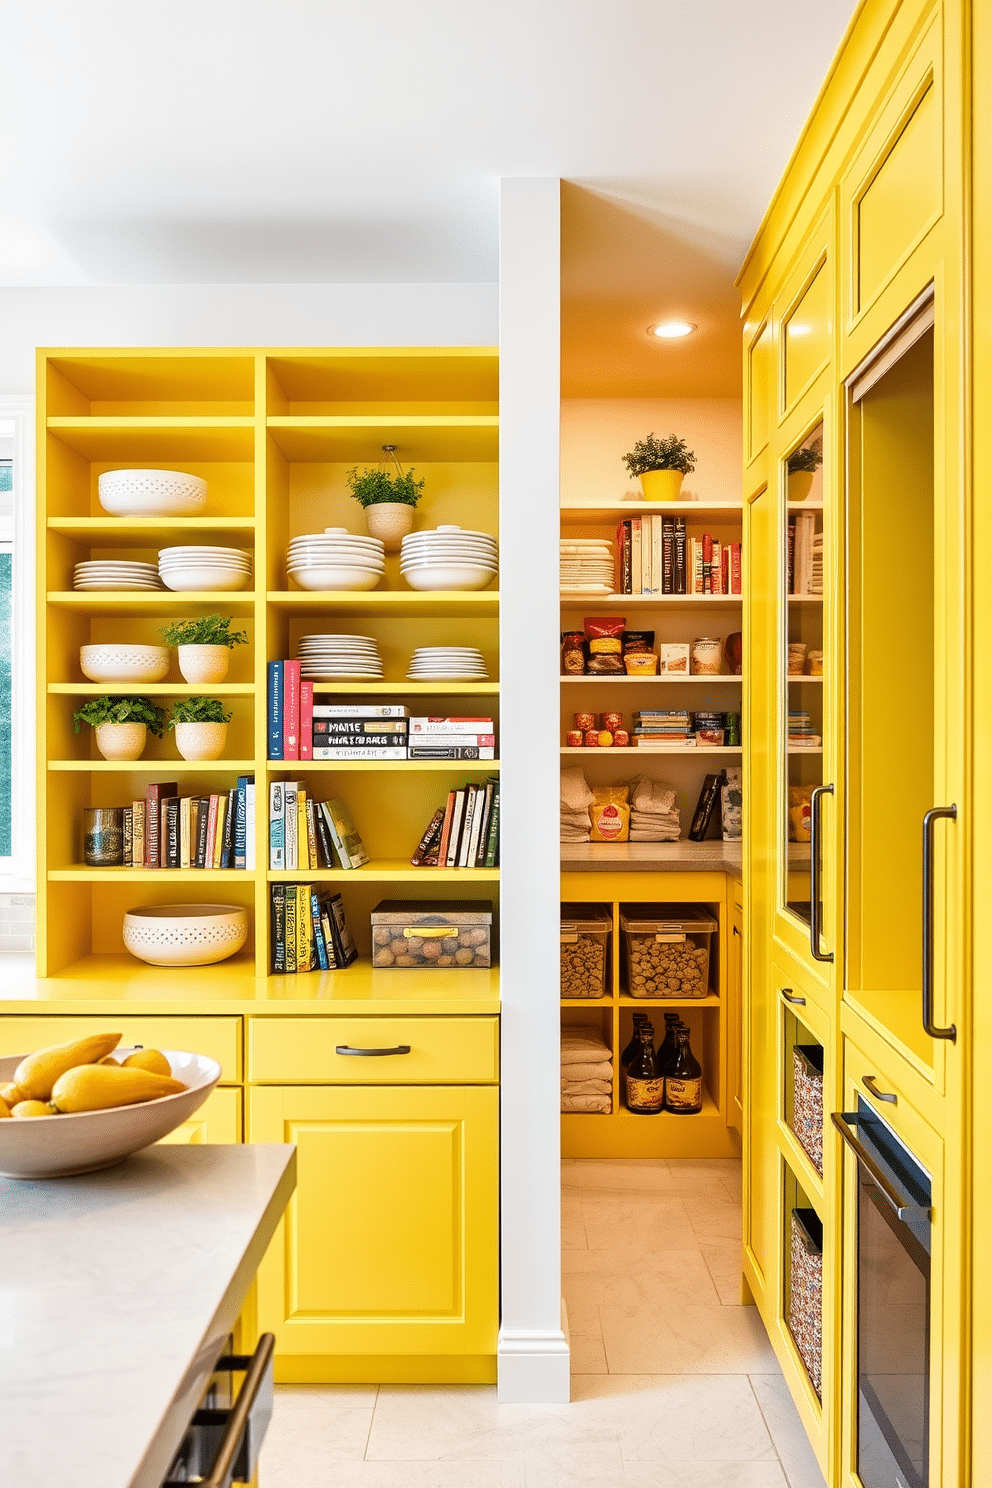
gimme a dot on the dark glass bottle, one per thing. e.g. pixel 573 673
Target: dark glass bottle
pixel 666 1053
pixel 683 1079
pixel 639 1020
pixel 645 1086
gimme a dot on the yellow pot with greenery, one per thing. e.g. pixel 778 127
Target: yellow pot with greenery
pixel 661 465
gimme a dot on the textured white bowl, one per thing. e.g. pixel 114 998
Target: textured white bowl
pixel 185 934
pixel 318 577
pixel 116 663
pixel 58 1146
pixel 151 493
pixel 448 577
pixel 195 578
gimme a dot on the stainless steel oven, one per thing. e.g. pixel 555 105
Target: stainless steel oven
pixel 893 1342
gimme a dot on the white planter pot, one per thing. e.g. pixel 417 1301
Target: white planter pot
pixel 201 741
pixel 121 741
pixel 390 521
pixel 204 663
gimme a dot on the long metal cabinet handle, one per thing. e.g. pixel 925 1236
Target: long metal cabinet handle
pixel 950 812
pixel 871 1085
pixel 790 996
pixel 222 1472
pixel 903 1206
pixel 372 1053
pixel 814 873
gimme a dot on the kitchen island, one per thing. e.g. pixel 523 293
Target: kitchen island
pixel 118 1292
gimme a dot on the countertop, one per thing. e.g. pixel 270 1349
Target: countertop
pixel 117 1292
pixel 652 857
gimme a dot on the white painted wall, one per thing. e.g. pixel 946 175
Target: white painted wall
pixel 239 315
pixel 597 432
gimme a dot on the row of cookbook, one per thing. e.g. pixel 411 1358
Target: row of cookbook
pixel 166 830
pixel 306 833
pixel 309 930
pixel 658 557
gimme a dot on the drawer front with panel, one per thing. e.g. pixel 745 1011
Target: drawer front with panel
pixel 373 1051
pixel 217 1038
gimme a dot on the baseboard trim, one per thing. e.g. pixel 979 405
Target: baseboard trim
pixel 533 1367
pixel 389 1369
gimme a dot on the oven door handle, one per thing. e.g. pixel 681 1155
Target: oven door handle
pixel 905 1209
pixel 229 1454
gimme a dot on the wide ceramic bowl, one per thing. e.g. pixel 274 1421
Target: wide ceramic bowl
pixel 151 493
pixel 116 663
pixel 201 576
pixel 318 576
pixel 448 576
pixel 59 1146
pixel 185 934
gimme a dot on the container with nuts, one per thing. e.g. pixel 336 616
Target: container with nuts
pixel 666 949
pixel 585 948
pixel 443 933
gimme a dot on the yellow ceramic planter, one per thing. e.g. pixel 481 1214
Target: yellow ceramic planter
pixel 661 485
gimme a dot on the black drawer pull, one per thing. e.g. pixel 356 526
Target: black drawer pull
pixel 790 996
pixel 868 1081
pixel 372 1053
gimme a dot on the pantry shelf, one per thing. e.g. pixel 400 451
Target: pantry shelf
pixel 174 437
pixel 418 689
pixel 472 767
pixel 632 749
pixel 384 870
pixel 79 873
pixel 127 530
pixel 584 516
pixel 652 601
pixel 676 680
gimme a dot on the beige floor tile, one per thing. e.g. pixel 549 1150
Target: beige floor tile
pixel 321 1397
pixel 631 1280
pixel 582 1309
pixel 686 1340
pixel 791 1441
pixel 307 1444
pixel 573 1234
pixel 464 1422
pixel 618 1175
pixel 708 1475
pixel 723 1259
pixel 636 1226
pixel 695 1419
pixel 588 1353
pixel 419 1475
pixel 598 1467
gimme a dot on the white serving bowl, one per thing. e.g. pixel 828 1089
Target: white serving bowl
pixel 151 493
pixel 115 663
pixel 448 577
pixel 320 577
pixel 59 1146
pixel 197 550
pixel 197 577
pixel 185 934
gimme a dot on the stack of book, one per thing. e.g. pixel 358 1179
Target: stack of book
pixel 289 710
pixel 802 734
pixel 358 731
pixel 309 930
pixel 663 728
pixel 658 557
pixel 452 738
pixel 304 833
pixel 465 832
pixel 805 555
pixel 167 830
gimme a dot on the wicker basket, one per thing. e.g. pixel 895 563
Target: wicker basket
pixel 807 1101
pixel 806 1293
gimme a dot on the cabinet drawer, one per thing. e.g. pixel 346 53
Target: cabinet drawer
pixel 219 1119
pixel 443 1051
pixel 217 1038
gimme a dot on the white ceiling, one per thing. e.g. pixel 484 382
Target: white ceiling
pixel 340 141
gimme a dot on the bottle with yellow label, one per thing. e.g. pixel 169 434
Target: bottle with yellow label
pixel 645 1085
pixel 683 1079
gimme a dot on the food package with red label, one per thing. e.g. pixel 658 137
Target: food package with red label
pixel 611 721
pixel 609 822
pixel 621 739
pixel 592 738
pixel 603 634
pixel 574 738
pixel 584 721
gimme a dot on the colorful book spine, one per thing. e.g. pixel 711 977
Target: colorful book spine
pixel 452 751
pixel 635 555
pixel 275 701
pixel 278 903
pixel 277 827
pixel 324 837
pixel 431 832
pixel 492 843
pixel 679 564
pixel 454 841
pixel 291 819
pixel 240 823
pixel 230 812
pixel 211 832
pixel 291 711
pixel 451 726
pixel 250 823
pixel 154 792
pixel 137 834
pixel 449 812
pixel 312 844
pixel 202 821
pixel 667 555
pixel 291 927
pixel 306 720
pixel 323 961
pixel 128 830
pixel 304 935
pixel 354 752
pixel 302 840
pixel 219 833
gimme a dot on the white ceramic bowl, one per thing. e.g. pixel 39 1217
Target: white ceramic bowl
pixel 59 1146
pixel 448 577
pixel 114 663
pixel 151 493
pixel 197 577
pixel 185 934
pixel 197 550
pixel 320 577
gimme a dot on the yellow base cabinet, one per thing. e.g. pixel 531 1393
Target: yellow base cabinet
pixel 386 1263
pixel 219 1119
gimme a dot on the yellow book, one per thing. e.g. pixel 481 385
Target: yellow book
pixel 304 933
pixel 302 839
pixel 219 834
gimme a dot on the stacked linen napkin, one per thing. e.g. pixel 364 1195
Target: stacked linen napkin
pixel 654 816
pixel 586 1071
pixel 576 798
pixel 586 566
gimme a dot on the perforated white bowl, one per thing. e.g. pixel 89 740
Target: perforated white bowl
pixel 151 493
pixel 185 934
pixel 116 663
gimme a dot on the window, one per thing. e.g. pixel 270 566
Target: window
pixel 17 702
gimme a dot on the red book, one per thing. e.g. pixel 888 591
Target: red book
pixel 306 720
pixel 291 710
pixel 442 847
pixel 707 564
pixel 154 792
pixel 211 831
pixel 735 568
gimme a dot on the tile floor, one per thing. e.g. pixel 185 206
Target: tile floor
pixel 673 1381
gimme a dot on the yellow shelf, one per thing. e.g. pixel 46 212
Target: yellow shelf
pixel 152 689
pixel 652 601
pixel 81 873
pixel 801 506
pixel 389 604
pixel 585 516
pixel 588 1002
pixel 165 602
pixel 157 767
pixel 117 439
pixel 125 531
pixel 664 681
pixel 805 599
pixel 393 870
pixel 472 767
pixel 418 437
pixel 626 1000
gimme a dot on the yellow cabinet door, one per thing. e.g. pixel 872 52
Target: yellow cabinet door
pixel 735 991
pixel 389 1246
pixel 217 1120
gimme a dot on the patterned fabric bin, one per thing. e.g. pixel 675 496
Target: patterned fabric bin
pixel 806 1293
pixel 807 1101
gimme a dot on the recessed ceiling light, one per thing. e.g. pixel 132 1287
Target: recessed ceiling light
pixel 671 330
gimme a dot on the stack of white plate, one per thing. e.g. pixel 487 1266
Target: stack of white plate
pixel 586 566
pixel 448 664
pixel 202 567
pixel 336 559
pixel 325 658
pixel 449 558
pixel 108 574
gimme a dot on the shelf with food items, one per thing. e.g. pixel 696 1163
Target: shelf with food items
pixel 669 679
pixel 645 809
pixel 653 729
pixel 606 648
pixel 659 749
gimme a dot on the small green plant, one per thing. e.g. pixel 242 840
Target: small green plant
pixel 372 487
pixel 209 630
pixel 670 453
pixel 120 710
pixel 198 710
pixel 807 458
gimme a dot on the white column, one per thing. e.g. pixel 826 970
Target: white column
pixel 533 1350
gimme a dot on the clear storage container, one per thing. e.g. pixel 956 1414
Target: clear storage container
pixel 446 933
pixel 585 948
pixel 666 949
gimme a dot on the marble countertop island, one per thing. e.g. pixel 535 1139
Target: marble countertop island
pixel 118 1290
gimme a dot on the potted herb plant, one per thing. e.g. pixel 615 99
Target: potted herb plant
pixel 801 466
pixel 204 646
pixel 201 727
pixel 388 497
pixel 661 464
pixel 121 724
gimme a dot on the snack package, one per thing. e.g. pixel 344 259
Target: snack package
pixel 604 639
pixel 609 822
pixel 573 653
pixel 673 656
pixel 800 797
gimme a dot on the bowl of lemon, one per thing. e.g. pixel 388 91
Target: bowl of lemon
pixel 85 1105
